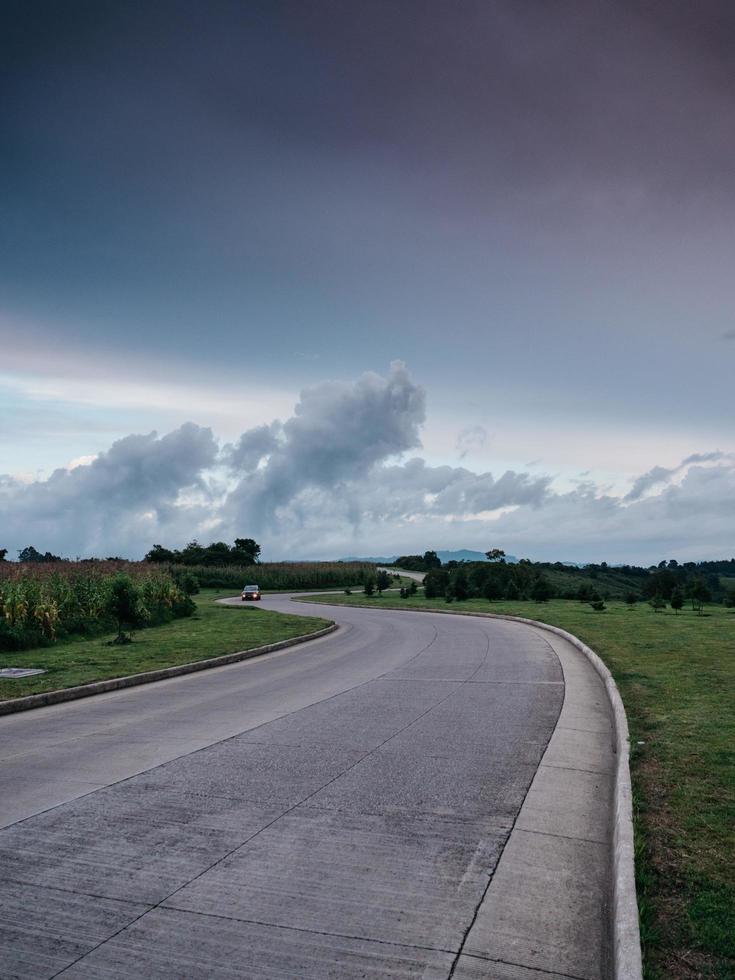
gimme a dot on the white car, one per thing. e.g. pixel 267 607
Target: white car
pixel 250 592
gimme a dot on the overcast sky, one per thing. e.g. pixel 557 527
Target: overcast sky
pixel 223 223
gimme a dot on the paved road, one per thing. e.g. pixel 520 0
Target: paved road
pixel 332 811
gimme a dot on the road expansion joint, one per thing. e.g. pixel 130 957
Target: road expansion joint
pixel 310 932
pixel 529 969
pixel 590 772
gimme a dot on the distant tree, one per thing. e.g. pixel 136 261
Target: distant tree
pixel 585 592
pixel 631 599
pixel 435 583
pixel 677 600
pixel 30 554
pixel 369 586
pixel 495 554
pixel 657 603
pixel 3 553
pixel 729 600
pixel 492 588
pixel 699 593
pixel 382 580
pixel 160 554
pixel 512 591
pixel 413 587
pixel 598 605
pixel 541 590
pixel 459 585
pixel 431 560
pixel 249 549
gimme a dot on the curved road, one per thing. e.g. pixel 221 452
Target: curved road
pixel 335 810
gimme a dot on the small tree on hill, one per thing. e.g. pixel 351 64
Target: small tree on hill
pixel 541 589
pixel 699 594
pixel 677 600
pixel 631 599
pixel 369 586
pixel 413 588
pixel 382 581
pixel 657 603
pixel 512 591
pixel 495 554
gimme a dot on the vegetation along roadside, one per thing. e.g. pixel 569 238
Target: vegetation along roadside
pixel 211 631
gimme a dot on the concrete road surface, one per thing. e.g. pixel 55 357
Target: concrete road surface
pixel 336 810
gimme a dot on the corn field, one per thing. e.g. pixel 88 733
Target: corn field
pixel 281 575
pixel 40 603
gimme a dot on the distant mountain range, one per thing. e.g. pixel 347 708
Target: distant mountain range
pixel 445 556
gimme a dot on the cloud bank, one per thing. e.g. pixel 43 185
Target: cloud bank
pixel 341 475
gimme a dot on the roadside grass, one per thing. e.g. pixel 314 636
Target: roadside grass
pixel 213 630
pixel 676 674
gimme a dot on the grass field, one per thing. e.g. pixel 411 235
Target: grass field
pixel 676 674
pixel 212 631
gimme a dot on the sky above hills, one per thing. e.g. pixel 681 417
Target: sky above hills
pixel 223 223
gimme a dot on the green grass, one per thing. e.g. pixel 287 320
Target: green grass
pixel 676 674
pixel 212 631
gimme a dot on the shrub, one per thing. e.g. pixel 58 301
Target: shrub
pixel 598 605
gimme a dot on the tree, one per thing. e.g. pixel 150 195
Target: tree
pixel 459 586
pixel 250 550
pixel 512 591
pixel 677 599
pixel 369 586
pixel 413 588
pixel 699 594
pixel 598 605
pixel 541 589
pixel 382 581
pixel 30 554
pixel 123 605
pixel 657 603
pixel 495 554
pixel 435 583
pixel 3 553
pixel 631 598
pixel 160 554
pixel 431 560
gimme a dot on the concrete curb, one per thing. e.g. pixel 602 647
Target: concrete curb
pixel 133 680
pixel 626 939
pixel 625 932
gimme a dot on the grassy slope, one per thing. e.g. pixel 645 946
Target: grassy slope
pixel 212 631
pixel 676 674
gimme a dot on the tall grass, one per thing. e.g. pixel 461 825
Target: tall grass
pixel 40 603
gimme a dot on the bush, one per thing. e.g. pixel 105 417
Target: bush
pixel 598 605
pixel 124 605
